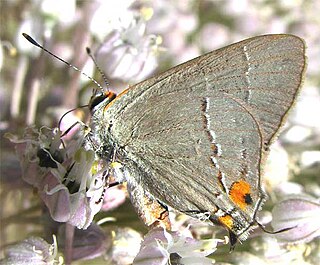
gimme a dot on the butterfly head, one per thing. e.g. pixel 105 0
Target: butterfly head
pixel 99 97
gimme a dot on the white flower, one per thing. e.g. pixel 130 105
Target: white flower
pixel 160 246
pixel 128 53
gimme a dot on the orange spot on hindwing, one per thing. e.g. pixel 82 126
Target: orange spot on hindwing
pixel 240 194
pixel 226 220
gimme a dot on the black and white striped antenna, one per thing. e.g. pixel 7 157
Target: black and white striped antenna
pixel 32 41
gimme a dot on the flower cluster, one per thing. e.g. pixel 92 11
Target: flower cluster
pixel 68 178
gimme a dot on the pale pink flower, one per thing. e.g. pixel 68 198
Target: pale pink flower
pixel 301 214
pixel 33 250
pixel 69 179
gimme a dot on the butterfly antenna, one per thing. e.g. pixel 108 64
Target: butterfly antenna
pixel 99 69
pixel 32 41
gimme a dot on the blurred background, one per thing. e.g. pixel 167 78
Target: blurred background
pixel 131 41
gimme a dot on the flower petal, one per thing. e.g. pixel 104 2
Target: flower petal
pixel 301 214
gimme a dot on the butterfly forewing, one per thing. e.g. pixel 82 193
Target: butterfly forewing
pixel 264 72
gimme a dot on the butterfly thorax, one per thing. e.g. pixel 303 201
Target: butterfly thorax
pixel 100 139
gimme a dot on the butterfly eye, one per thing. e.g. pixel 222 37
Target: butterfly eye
pixel 96 100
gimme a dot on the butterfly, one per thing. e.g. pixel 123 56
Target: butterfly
pixel 195 138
